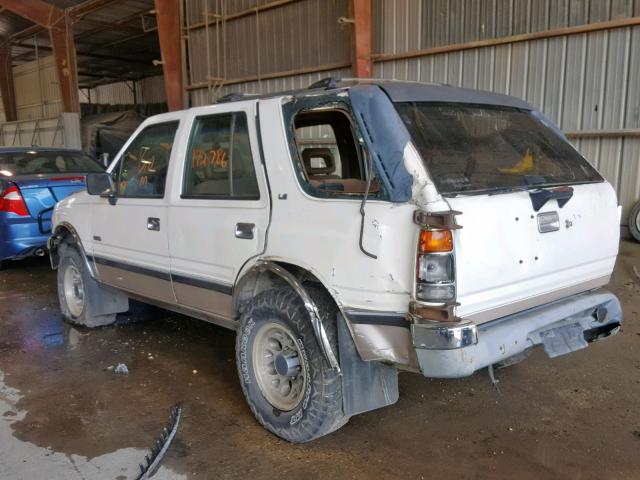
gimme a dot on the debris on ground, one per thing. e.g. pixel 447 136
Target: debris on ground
pixel 152 461
pixel 121 369
pixel 635 271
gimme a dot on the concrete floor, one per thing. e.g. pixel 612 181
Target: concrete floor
pixel 64 415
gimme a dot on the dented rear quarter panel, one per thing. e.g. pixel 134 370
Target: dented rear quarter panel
pixel 322 235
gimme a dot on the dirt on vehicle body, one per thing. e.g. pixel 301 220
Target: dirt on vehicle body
pixel 347 232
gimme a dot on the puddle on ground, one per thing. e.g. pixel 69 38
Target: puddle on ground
pixel 20 459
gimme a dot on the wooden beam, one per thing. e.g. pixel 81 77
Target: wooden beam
pixel 362 40
pixel 6 83
pixel 64 51
pixel 168 16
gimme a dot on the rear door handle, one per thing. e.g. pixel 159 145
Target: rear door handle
pixel 245 230
pixel 153 223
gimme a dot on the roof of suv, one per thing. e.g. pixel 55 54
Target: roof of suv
pixel 398 91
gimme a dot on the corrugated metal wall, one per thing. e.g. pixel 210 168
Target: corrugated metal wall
pixel 588 83
pixel 119 93
pixel 584 82
pixel 295 36
pixel 148 90
pixel 151 90
pixel 36 89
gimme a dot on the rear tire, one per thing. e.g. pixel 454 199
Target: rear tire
pixel 83 301
pixel 634 222
pixel 289 386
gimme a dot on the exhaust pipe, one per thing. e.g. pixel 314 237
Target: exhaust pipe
pixel 40 252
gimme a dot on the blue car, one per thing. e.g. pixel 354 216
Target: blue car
pixel 32 181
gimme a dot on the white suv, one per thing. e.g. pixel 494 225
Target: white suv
pixel 349 231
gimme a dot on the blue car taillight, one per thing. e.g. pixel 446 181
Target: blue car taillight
pixel 11 201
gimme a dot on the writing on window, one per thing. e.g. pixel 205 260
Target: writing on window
pixel 220 163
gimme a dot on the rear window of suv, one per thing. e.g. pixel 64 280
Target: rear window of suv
pixel 472 148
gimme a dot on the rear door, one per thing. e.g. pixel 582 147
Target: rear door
pixel 219 210
pixel 130 237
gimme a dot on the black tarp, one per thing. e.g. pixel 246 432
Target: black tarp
pixel 107 132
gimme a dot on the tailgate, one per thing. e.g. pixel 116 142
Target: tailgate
pixel 504 264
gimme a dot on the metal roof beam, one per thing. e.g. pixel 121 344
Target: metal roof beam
pixel 168 17
pixel 36 11
pixel 362 39
pixel 6 83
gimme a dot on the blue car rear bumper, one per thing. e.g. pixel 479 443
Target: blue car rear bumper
pixel 20 236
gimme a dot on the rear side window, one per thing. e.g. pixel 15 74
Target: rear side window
pixel 331 160
pixel 472 148
pixel 143 166
pixel 32 162
pixel 219 163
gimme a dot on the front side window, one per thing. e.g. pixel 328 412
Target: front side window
pixel 473 148
pixel 142 171
pixel 220 164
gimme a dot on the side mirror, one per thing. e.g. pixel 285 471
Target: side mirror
pixel 101 184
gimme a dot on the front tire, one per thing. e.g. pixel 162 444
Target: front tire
pixel 83 301
pixel 634 222
pixel 289 386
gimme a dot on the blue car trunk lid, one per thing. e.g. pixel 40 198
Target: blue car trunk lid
pixel 42 192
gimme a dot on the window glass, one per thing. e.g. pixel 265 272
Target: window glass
pixel 220 163
pixel 471 148
pixel 143 166
pixel 42 162
pixel 329 154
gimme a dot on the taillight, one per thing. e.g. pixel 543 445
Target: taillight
pixel 435 268
pixel 11 201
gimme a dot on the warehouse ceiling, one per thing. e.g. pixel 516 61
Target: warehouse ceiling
pixel 115 39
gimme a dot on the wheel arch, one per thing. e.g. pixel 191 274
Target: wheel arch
pixel 266 274
pixel 65 232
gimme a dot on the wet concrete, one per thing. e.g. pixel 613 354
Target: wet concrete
pixel 64 414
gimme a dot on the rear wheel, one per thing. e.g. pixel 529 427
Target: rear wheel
pixel 83 301
pixel 634 222
pixel 289 386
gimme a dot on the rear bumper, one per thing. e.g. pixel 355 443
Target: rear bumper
pixel 561 327
pixel 20 237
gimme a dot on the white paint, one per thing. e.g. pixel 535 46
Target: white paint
pixel 25 460
pixel 497 246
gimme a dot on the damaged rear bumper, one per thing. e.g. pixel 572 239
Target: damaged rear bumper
pixel 561 327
